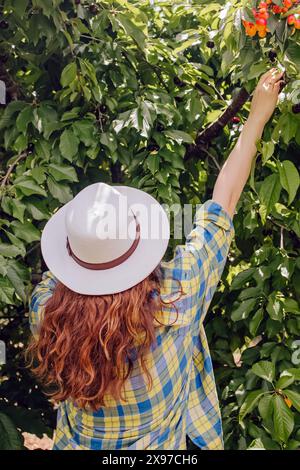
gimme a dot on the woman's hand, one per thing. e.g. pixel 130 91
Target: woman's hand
pixel 235 171
pixel 265 96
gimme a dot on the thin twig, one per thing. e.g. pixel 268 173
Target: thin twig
pixel 213 158
pixel 10 169
pixel 279 225
pixel 281 238
pixel 92 37
pixel 29 251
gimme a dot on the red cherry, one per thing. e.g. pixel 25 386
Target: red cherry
pixel 265 15
pixel 261 22
pixel 291 19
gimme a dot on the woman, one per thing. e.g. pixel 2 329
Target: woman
pixel 119 335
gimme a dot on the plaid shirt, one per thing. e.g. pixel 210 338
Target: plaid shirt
pixel 183 400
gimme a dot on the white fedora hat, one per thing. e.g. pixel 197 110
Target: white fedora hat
pixel 106 239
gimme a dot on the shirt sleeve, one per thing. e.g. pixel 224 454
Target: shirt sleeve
pixel 208 243
pixel 40 294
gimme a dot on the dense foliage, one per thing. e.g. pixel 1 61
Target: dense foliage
pixel 153 94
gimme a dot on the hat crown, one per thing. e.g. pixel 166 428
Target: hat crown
pixel 99 224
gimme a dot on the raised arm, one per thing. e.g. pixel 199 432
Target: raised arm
pixel 235 172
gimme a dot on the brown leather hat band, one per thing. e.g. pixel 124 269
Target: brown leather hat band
pixel 109 264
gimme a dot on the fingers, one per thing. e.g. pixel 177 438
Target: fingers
pixel 270 77
pixel 265 76
pixel 275 77
pixel 278 85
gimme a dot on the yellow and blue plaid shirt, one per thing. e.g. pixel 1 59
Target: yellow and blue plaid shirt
pixel 183 400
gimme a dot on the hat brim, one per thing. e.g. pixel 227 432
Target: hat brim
pixel 137 267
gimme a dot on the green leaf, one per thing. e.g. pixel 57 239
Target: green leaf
pixel 289 178
pixel 293 54
pixel 295 373
pixel 15 240
pixel 18 276
pixel 132 30
pixel 70 115
pixel 68 144
pixel 88 70
pixel 291 306
pixel 267 151
pixel 14 207
pixel 265 406
pixel 242 278
pixel 11 251
pixel 59 191
pixel 87 93
pixel 286 127
pixel 20 143
pixel 275 307
pixel 172 157
pixel 28 187
pixel 265 370
pixel 250 292
pixel 256 444
pixel 108 139
pixel 18 209
pixel 25 231
pixel 256 70
pixel 187 44
pixel 242 311
pixel 294 397
pixel 293 444
pixel 6 291
pixel 152 162
pixel 249 403
pixel 269 192
pixel 179 136
pixel 38 173
pixel 286 378
pixel 19 7
pixel 283 419
pixel 37 209
pixel 43 149
pixel 7 117
pixel 10 437
pixel 62 172
pixel 24 118
pixel 3 266
pixel 256 321
pixel 85 131
pixel 69 74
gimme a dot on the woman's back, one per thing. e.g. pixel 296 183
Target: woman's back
pixel 182 399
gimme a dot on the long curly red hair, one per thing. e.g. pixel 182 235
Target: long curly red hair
pixel 85 344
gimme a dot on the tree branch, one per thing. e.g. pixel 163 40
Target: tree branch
pixel 213 130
